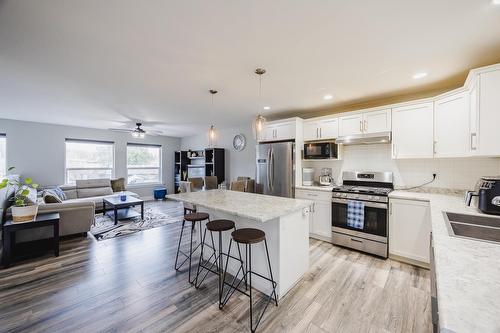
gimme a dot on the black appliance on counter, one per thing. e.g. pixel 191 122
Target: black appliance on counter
pixel 488 195
pixel 320 150
pixel 372 190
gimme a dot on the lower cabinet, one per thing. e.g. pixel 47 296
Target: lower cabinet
pixel 409 230
pixel 320 226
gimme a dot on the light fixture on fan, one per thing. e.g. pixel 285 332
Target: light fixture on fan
pixel 138 132
pixel 212 132
pixel 260 121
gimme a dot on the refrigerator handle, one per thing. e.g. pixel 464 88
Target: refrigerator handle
pixel 272 170
pixel 269 168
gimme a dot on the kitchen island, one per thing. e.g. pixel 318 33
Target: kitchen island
pixel 284 220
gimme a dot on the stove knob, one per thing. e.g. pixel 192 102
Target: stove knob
pixel 344 195
pixel 370 197
pixel 376 198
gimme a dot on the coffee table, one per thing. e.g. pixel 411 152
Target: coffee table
pixel 41 220
pixel 121 210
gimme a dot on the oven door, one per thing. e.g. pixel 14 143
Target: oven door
pixel 375 222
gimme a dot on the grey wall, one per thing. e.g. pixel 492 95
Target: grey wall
pixel 238 163
pixel 37 150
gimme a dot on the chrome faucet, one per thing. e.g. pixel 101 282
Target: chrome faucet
pixel 496 201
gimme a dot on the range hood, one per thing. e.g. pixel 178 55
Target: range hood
pixel 364 139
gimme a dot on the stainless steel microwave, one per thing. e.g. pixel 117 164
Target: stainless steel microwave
pixel 320 150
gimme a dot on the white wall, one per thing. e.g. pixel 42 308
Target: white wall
pixel 238 163
pixel 37 150
pixel 453 173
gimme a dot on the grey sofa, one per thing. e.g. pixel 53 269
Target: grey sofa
pixel 76 213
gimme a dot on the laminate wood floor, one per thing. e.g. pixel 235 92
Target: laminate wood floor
pixel 128 284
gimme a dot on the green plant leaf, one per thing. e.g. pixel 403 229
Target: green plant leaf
pixel 19 203
pixel 3 185
pixel 25 192
pixel 35 186
pixel 28 181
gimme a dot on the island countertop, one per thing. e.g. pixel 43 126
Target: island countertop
pixel 257 207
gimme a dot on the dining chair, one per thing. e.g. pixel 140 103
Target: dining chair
pixel 196 184
pixel 211 182
pixel 238 185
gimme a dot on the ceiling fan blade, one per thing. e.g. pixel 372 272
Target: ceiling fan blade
pixel 154 132
pixel 121 130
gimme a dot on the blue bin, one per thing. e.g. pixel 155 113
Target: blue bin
pixel 160 193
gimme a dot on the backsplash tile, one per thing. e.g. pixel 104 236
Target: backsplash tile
pixel 452 173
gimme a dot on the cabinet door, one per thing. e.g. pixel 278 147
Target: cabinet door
pixel 329 128
pixel 322 222
pixel 268 133
pixel 285 131
pixel 474 120
pixel 311 130
pixel 377 121
pixel 409 229
pixel 451 126
pixel 351 125
pixel 489 113
pixel 412 131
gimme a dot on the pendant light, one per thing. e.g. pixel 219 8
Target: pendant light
pixel 260 121
pixel 212 133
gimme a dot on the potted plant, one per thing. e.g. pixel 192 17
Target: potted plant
pixel 23 209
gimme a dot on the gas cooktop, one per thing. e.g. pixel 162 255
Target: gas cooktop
pixel 362 189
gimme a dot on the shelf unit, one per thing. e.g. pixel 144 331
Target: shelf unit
pixel 215 163
pixel 180 168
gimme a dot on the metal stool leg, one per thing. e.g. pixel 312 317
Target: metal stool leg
pixel 179 246
pixel 201 257
pixel 191 251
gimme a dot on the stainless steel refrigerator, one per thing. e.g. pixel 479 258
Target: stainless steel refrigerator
pixel 275 171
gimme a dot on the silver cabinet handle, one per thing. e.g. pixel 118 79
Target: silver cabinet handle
pixel 311 195
pixel 356 240
pixel 390 208
pixel 434 147
pixel 472 136
pixel 361 126
pixel 317 133
pixel 366 125
pixel 320 135
pixel 394 153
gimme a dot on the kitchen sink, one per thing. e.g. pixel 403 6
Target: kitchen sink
pixel 483 228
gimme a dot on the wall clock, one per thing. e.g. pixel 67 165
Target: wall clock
pixel 239 142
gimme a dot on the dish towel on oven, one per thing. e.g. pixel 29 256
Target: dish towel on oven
pixel 355 214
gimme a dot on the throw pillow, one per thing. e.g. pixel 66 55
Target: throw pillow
pixel 50 197
pixel 118 184
pixel 60 193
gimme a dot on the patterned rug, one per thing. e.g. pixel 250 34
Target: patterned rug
pixel 156 214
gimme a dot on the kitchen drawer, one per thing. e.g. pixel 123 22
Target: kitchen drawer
pixel 360 244
pixel 313 195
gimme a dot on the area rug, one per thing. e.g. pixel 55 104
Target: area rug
pixel 156 214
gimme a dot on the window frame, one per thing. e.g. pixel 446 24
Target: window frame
pixel 159 168
pixel 4 137
pixel 66 169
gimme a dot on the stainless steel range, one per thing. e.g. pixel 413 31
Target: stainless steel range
pixel 359 211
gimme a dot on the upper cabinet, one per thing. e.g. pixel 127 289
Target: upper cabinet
pixel 487 138
pixel 280 130
pixel 321 129
pixel 412 131
pixel 365 123
pixel 451 126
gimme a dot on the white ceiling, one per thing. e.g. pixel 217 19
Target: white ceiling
pixel 103 64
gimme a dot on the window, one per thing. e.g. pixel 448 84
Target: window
pixel 143 164
pixel 3 155
pixel 88 160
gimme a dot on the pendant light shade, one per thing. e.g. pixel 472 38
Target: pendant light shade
pixel 259 122
pixel 212 132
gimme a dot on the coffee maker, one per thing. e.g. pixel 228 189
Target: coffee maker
pixel 488 195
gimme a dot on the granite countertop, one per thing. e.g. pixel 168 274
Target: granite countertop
pixel 315 188
pixel 467 271
pixel 257 207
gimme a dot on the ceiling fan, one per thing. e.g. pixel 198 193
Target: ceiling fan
pixel 137 132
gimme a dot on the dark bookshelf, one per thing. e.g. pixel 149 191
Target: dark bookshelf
pixel 180 168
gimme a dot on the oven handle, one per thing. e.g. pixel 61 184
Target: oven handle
pixel 367 203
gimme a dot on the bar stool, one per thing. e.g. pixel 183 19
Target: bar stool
pixel 218 226
pixel 249 236
pixel 193 218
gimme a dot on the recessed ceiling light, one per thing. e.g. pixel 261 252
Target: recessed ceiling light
pixel 419 75
pixel 267 108
pixel 327 97
pixel 495 2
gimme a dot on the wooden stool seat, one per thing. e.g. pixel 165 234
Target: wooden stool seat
pixel 248 235
pixel 195 217
pixel 220 225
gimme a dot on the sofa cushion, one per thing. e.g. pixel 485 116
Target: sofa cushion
pixel 50 197
pixel 91 183
pixel 69 191
pixel 118 185
pixel 93 192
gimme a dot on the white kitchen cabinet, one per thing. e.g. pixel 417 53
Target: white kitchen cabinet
pixel 451 126
pixel 377 121
pixel 365 123
pixel 351 125
pixel 474 119
pixel 321 215
pixel 321 129
pixel 277 131
pixel 409 229
pixel 489 114
pixel 412 131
